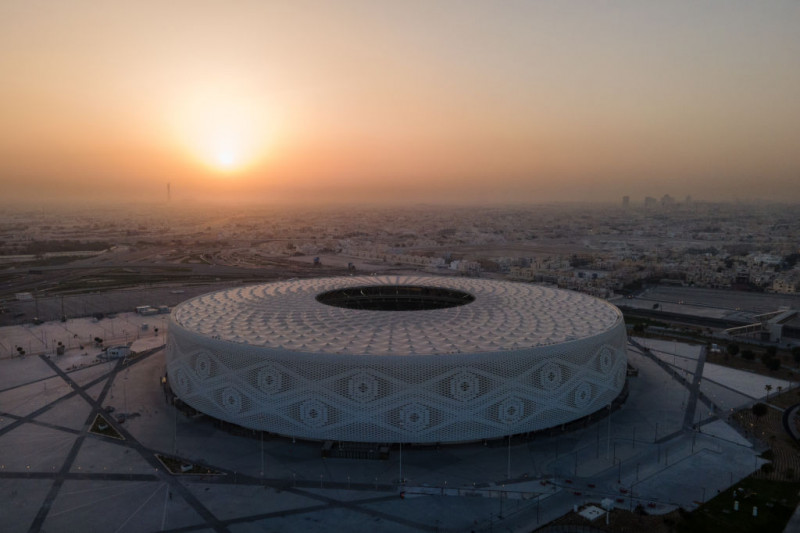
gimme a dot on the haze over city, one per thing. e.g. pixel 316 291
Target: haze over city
pixel 446 102
pixel 408 266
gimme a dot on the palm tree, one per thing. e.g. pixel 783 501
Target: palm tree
pixel 768 387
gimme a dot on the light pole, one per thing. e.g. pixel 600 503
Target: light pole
pixel 401 452
pixel 508 472
pixel 175 434
pixel 608 437
pixel 597 455
pixel 401 460
pixel 576 463
pixel 261 431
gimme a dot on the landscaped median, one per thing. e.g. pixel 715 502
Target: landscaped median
pixel 178 466
pixel 100 426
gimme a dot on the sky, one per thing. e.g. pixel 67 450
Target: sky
pixel 453 102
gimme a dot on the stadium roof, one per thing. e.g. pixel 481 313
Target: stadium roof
pixel 503 316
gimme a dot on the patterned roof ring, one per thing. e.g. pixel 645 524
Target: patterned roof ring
pixel 396 358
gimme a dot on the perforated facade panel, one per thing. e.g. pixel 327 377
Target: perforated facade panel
pixel 518 358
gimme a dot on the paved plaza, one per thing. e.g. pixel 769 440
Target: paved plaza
pixel 56 475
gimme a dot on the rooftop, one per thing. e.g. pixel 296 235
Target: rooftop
pixel 503 316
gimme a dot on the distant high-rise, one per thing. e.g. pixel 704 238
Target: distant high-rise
pixel 626 202
pixel 667 201
pixel 650 202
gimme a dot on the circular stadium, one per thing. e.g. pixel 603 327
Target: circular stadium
pixel 396 358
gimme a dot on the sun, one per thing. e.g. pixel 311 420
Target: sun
pixel 226 160
pixel 229 147
pixel 224 131
pixel 227 156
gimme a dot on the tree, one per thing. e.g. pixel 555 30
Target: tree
pixel 759 409
pixel 733 348
pixel 773 364
pixel 796 354
pixel 768 388
pixel 772 351
pixel 748 354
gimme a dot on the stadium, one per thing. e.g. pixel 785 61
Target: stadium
pixel 396 358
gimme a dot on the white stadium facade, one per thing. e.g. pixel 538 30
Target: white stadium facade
pixel 396 358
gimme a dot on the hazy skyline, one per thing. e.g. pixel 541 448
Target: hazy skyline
pixel 457 102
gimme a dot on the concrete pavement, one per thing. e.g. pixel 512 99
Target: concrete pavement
pixel 57 476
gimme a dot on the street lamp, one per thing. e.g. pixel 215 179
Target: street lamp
pixel 576 463
pixel 608 437
pixel 401 452
pixel 508 473
pixel 261 431
pixel 125 391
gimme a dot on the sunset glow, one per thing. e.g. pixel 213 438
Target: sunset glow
pixel 463 102
pixel 223 129
pixel 226 159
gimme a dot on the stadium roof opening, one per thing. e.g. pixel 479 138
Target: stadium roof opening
pixel 395 298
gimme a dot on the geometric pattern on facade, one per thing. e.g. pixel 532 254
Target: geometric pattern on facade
pixel 271 357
